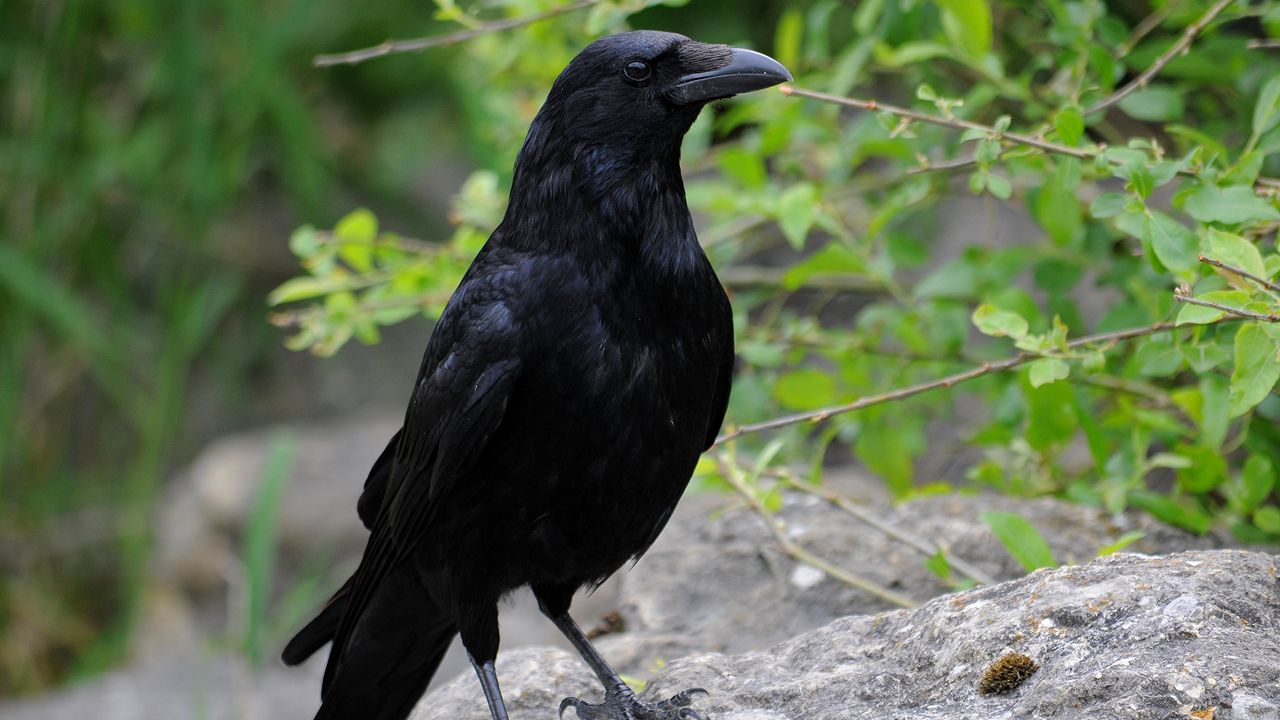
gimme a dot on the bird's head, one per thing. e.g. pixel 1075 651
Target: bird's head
pixel 640 91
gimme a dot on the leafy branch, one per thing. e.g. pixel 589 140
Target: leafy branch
pixel 392 47
pixel 991 131
pixel 1174 50
pixel 1234 311
pixel 1267 284
pixel 986 368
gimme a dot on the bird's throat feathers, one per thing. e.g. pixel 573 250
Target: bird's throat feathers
pixel 582 189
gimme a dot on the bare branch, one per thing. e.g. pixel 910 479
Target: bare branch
pixel 1263 44
pixel 944 166
pixel 924 547
pixel 1236 312
pixel 391 47
pixel 1174 50
pixel 746 276
pixel 733 476
pixel 951 122
pixel 1141 30
pixel 817 416
pixel 1242 273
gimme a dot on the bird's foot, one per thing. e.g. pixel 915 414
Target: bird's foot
pixel 624 705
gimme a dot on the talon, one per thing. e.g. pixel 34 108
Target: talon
pixel 567 703
pixel 691 714
pixel 685 697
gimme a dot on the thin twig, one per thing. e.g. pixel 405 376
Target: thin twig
pixel 744 276
pixel 1085 153
pixel 987 368
pixel 1141 30
pixel 391 47
pixel 733 476
pixel 1263 45
pixel 1242 273
pixel 1237 312
pixel 1177 48
pixel 291 318
pixel 924 547
pixel 951 122
pixel 944 166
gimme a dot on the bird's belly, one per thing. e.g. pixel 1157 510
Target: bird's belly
pixel 593 486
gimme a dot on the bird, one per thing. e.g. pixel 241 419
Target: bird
pixel 576 374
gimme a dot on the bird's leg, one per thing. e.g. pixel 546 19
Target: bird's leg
pixel 478 627
pixel 620 702
pixel 489 682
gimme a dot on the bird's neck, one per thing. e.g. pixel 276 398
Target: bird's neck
pixel 584 195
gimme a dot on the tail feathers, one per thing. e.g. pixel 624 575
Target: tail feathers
pixel 319 631
pixel 384 682
pixel 388 642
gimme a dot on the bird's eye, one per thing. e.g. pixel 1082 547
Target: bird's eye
pixel 637 71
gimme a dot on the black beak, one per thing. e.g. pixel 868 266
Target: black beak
pixel 747 70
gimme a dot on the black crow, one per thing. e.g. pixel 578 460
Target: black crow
pixel 580 368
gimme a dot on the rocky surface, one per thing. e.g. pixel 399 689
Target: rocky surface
pixel 1192 635
pixel 725 585
pixel 716 580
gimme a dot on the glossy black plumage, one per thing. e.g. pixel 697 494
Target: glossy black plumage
pixel 580 368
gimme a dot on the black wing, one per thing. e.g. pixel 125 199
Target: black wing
pixel 466 380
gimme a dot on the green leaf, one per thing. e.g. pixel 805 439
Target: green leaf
pixel 968 24
pixel 797 209
pixel 1171 511
pixel 359 226
pixel 938 565
pixel 1175 246
pixel 1214 420
pixel 744 166
pixel 304 242
pixel 1121 543
pixel 1199 314
pixel 1266 114
pixel 833 259
pixel 1257 480
pixel 1157 358
pixel 909 53
pixel 1021 539
pixel 991 320
pixel 1154 103
pixel 1230 205
pixel 1058 212
pixel 1256 369
pixel 886 451
pixel 1267 518
pixel 805 389
pixel 1051 415
pixel 1070 124
pixel 1236 251
pixel 302 288
pixel 1047 370
pixel 999 186
pixel 1108 204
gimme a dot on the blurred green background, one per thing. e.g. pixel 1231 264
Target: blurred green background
pixel 154 157
pixel 157 157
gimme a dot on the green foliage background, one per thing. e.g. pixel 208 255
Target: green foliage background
pixel 150 152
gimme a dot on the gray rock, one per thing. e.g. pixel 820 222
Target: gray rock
pixel 725 585
pixel 1126 636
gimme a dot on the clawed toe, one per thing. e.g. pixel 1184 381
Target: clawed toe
pixel 625 706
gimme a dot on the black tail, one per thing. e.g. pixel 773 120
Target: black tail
pixel 319 631
pixel 382 666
